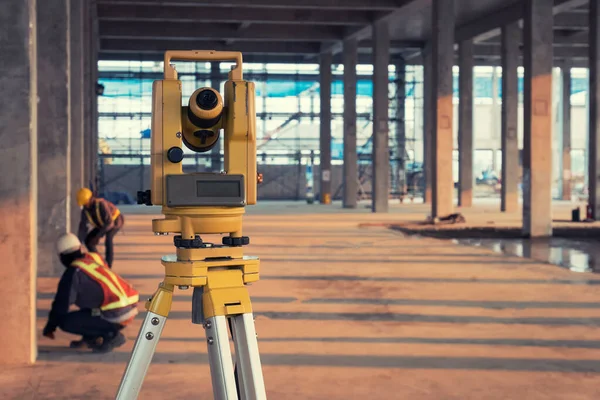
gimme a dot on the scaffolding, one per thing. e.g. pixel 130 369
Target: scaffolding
pixel 287 105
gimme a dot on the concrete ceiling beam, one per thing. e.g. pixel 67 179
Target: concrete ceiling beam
pixel 160 46
pixel 386 5
pixel 192 31
pixel 162 13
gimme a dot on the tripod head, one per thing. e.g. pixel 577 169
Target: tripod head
pixel 196 203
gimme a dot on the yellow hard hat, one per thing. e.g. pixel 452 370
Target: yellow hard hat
pixel 83 196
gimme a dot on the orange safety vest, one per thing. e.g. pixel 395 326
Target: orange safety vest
pixel 117 292
pixel 115 214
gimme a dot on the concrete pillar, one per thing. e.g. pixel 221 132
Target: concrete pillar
pixel 90 97
pixel 215 83
pixel 95 50
pixel 77 108
pixel 55 125
pixel 566 133
pixel 537 99
pixel 350 55
pixel 87 92
pixel 511 37
pixel 442 107
pixel 594 110
pixel 427 124
pixel 325 135
pixel 496 117
pixel 381 156
pixel 18 188
pixel 401 126
pixel 465 125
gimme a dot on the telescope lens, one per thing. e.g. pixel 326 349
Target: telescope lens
pixel 207 100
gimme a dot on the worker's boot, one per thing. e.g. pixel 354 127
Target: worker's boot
pixel 86 341
pixel 110 342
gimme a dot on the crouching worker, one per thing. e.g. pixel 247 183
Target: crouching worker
pixel 107 303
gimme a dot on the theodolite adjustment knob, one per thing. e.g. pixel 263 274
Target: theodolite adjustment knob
pixel 175 154
pixel 181 243
pixel 239 241
pixel 144 197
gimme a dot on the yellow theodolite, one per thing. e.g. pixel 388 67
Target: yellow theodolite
pixel 204 203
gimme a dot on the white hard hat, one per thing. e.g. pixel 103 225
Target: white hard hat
pixel 67 243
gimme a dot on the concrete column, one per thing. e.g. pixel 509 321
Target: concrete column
pixel 87 92
pixel 566 133
pixel 381 157
pixel 91 46
pixel 465 125
pixel 325 136
pixel 511 37
pixel 215 83
pixel 18 188
pixel 496 117
pixel 427 124
pixel 594 111
pixel 350 55
pixel 77 109
pixel 537 99
pixel 442 107
pixel 401 125
pixel 95 48
pixel 55 125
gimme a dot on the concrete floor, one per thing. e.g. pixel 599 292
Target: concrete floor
pixel 347 309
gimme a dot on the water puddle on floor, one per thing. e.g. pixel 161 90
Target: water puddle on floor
pixel 575 255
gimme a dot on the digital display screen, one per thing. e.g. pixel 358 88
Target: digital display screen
pixel 216 189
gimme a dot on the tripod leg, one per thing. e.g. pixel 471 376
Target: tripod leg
pixel 252 386
pixel 219 355
pixel 145 344
pixel 235 364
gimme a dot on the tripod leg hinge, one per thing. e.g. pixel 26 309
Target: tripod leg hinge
pixel 161 301
pixel 197 311
pixel 225 294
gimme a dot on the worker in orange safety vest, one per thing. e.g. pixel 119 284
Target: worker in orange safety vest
pixel 104 217
pixel 107 303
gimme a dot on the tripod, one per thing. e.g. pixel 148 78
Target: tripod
pixel 218 275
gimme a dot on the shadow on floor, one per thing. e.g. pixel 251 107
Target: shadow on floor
pixel 354 361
